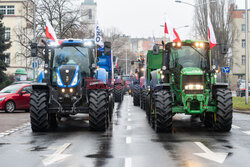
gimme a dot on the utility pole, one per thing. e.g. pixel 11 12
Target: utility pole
pixel 126 61
pixel 34 35
pixel 246 36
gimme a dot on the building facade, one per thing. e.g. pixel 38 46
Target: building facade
pixel 17 30
pixel 89 15
pixel 239 44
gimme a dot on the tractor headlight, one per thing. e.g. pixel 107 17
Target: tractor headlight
pixel 63 90
pixel 162 76
pixel 178 44
pixel 194 87
pixel 59 82
pixel 71 90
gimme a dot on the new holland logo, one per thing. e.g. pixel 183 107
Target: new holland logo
pixel 67 78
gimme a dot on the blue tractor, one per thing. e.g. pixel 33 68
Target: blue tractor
pixel 72 83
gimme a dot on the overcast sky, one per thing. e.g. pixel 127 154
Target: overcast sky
pixel 142 18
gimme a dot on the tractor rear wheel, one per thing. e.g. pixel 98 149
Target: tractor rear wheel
pixel 136 95
pixel 224 113
pixel 98 110
pixel 38 111
pixel 118 91
pixel 163 111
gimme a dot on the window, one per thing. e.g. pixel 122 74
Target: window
pixel 10 10
pixel 7 59
pixel 7 34
pixel 243 43
pixel 243 60
pixel 90 14
pixel 243 15
pixel 27 89
pixel 243 27
pixel 7 10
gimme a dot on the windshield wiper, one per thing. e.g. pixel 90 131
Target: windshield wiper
pixel 79 51
pixel 198 51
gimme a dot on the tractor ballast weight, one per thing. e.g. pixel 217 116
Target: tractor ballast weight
pixel 72 84
pixel 186 83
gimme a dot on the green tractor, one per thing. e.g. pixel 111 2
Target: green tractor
pixel 186 83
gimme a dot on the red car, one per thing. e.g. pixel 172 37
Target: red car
pixel 15 97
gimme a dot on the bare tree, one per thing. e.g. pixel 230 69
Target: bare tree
pixel 120 47
pixel 221 18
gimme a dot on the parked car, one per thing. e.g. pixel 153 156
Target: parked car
pixel 241 89
pixel 15 97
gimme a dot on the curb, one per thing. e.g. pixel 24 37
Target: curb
pixel 242 111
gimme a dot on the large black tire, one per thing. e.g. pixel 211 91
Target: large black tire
pixel 118 91
pixel 98 110
pixel 136 95
pixel 143 99
pixel 148 108
pixel 163 111
pixel 224 113
pixel 38 111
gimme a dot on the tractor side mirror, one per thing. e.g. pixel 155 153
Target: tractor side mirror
pixel 34 49
pixel 132 62
pixel 107 48
pixel 156 50
pixel 224 49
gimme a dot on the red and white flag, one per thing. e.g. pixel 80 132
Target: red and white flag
pixel 50 32
pixel 211 35
pixel 170 30
pixel 116 63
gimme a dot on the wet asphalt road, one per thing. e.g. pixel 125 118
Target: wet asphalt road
pixel 130 142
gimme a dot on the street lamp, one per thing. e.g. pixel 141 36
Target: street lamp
pixel 185 26
pixel 179 1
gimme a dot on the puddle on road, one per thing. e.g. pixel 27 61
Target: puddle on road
pixel 2 144
pixel 102 156
pixel 38 148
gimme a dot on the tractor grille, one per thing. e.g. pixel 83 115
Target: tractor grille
pixel 192 79
pixel 67 77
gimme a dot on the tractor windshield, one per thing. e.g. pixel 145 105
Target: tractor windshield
pixel 72 55
pixel 188 56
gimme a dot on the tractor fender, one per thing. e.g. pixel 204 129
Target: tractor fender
pixel 220 85
pixel 154 79
pixel 101 75
pixel 40 86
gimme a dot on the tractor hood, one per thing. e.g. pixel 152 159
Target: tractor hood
pixel 191 71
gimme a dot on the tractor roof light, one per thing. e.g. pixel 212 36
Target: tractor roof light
pixel 202 45
pixel 196 44
pixel 174 44
pixel 178 44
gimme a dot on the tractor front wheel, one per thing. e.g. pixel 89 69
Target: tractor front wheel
pixel 136 95
pixel 224 114
pixel 98 110
pixel 163 111
pixel 38 111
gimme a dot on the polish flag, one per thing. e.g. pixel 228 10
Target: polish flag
pixel 170 30
pixel 50 32
pixel 211 35
pixel 116 63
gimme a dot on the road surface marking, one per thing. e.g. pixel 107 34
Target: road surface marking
pixel 235 127
pixel 8 132
pixel 210 155
pixel 57 156
pixel 129 127
pixel 128 162
pixel 128 140
pixel 246 132
pixel 129 119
